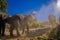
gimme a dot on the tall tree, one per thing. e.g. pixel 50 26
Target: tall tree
pixel 3 6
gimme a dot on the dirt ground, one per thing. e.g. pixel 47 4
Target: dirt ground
pixel 15 37
pixel 33 35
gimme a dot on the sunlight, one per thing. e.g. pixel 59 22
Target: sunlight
pixel 58 4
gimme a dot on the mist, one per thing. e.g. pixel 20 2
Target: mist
pixel 45 10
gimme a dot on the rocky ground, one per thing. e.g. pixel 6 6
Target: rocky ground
pixel 32 35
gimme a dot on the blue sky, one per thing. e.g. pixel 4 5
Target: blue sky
pixel 42 8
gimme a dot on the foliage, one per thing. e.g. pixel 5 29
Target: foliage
pixel 36 24
pixel 55 33
pixel 3 5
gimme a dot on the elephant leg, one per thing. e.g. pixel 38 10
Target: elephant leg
pixel 17 32
pixel 23 31
pixel 11 31
pixel 27 29
pixel 23 28
pixel 17 27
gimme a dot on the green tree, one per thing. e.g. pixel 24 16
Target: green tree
pixel 3 5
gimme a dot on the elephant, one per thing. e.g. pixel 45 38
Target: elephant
pixel 18 22
pixel 14 22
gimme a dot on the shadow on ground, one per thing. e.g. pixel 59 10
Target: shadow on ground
pixel 9 37
pixel 38 32
pixel 34 33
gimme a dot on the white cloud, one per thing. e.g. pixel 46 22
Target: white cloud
pixel 43 13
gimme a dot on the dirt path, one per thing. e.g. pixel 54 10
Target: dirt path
pixel 32 33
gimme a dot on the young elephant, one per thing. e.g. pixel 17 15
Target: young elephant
pixel 14 24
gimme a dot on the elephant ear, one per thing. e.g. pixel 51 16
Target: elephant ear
pixel 21 16
pixel 4 15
